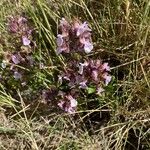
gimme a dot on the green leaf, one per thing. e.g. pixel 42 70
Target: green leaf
pixel 91 90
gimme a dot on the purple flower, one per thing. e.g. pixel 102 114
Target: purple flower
pixel 15 59
pixel 107 78
pixel 63 48
pixel 82 28
pixel 17 75
pixel 98 64
pixel 84 38
pixel 25 41
pixel 83 85
pixel 22 20
pixel 59 40
pixel 88 47
pixel 29 32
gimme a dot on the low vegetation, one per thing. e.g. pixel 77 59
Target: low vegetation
pixel 74 74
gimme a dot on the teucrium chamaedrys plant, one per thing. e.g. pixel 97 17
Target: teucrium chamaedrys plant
pixel 75 38
pixel 18 58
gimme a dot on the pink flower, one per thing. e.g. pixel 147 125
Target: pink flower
pixel 13 27
pixel 61 104
pixel 73 102
pixel 105 67
pixel 63 22
pixel 73 36
pixel 70 110
pixel 69 104
pixel 29 32
pixel 95 75
pixel 16 24
pixel 75 25
pixel 25 41
pixel 64 27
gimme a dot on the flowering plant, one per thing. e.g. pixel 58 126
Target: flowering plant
pixel 75 37
pixel 18 58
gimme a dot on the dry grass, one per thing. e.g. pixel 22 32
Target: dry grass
pixel 122 120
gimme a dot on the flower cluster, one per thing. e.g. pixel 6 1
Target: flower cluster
pixel 79 75
pixel 19 26
pixel 74 37
pixel 96 71
pixel 20 56
pixel 13 60
pixel 68 104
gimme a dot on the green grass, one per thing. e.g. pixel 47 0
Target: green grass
pixel 120 30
